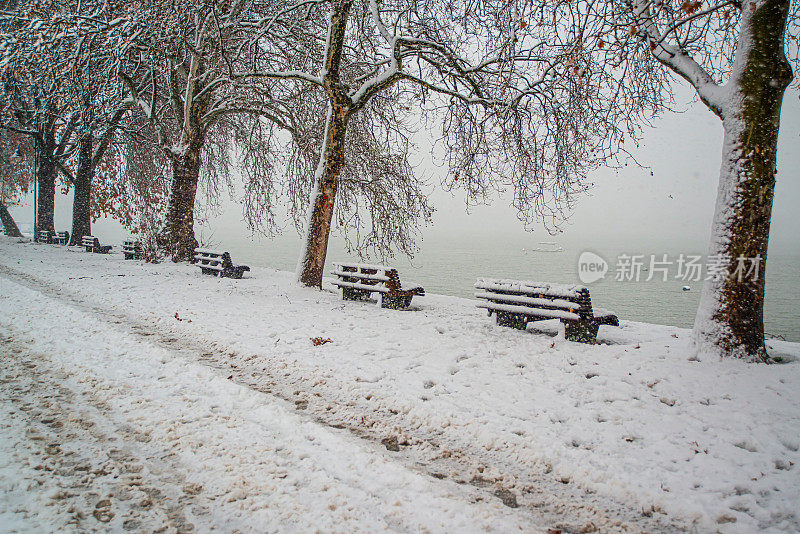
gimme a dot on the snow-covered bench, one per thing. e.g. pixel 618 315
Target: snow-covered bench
pixel 218 263
pixel 53 238
pixel 516 303
pixel 132 250
pixel 44 236
pixel 92 244
pixel 61 238
pixel 358 281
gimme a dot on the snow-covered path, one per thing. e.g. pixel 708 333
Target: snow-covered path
pixel 103 431
pixel 629 435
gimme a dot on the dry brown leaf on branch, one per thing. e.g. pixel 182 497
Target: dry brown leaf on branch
pixel 688 6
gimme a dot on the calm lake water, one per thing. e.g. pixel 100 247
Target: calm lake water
pixel 450 267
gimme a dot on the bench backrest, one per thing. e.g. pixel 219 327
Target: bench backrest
pixel 44 235
pixel 212 259
pixel 367 274
pixel 132 246
pixel 61 238
pixel 572 298
pixel 90 241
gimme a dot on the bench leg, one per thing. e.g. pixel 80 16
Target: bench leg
pixel 581 332
pixel 349 293
pixel 235 273
pixel 396 303
pixel 512 320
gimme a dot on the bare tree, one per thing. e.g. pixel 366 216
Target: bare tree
pixel 135 191
pixel 95 94
pixel 533 94
pixel 179 82
pixel 734 54
pixel 73 49
pixel 35 99
pixel 30 110
pixel 483 71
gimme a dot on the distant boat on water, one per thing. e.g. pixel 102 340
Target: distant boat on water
pixel 549 246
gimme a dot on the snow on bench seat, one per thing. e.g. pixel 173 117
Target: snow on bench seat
pixel 365 287
pixel 567 291
pixel 532 301
pixel 378 276
pixel 550 314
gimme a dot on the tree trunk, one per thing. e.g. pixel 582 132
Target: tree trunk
pixel 9 226
pixel 729 320
pixel 326 178
pixel 311 265
pixel 177 237
pixel 81 204
pixel 46 178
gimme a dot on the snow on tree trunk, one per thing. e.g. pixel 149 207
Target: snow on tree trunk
pixel 9 226
pixel 81 204
pixel 178 238
pixel 729 320
pixel 320 212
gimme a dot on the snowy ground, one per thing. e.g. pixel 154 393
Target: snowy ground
pixel 207 397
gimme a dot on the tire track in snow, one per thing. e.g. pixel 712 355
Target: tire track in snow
pixel 440 453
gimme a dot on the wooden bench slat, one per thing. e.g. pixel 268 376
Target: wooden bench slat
pixel 530 288
pixel 537 312
pixel 367 266
pixel 356 285
pixel 355 274
pixel 208 259
pixel 212 266
pixel 533 301
pixel 209 251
